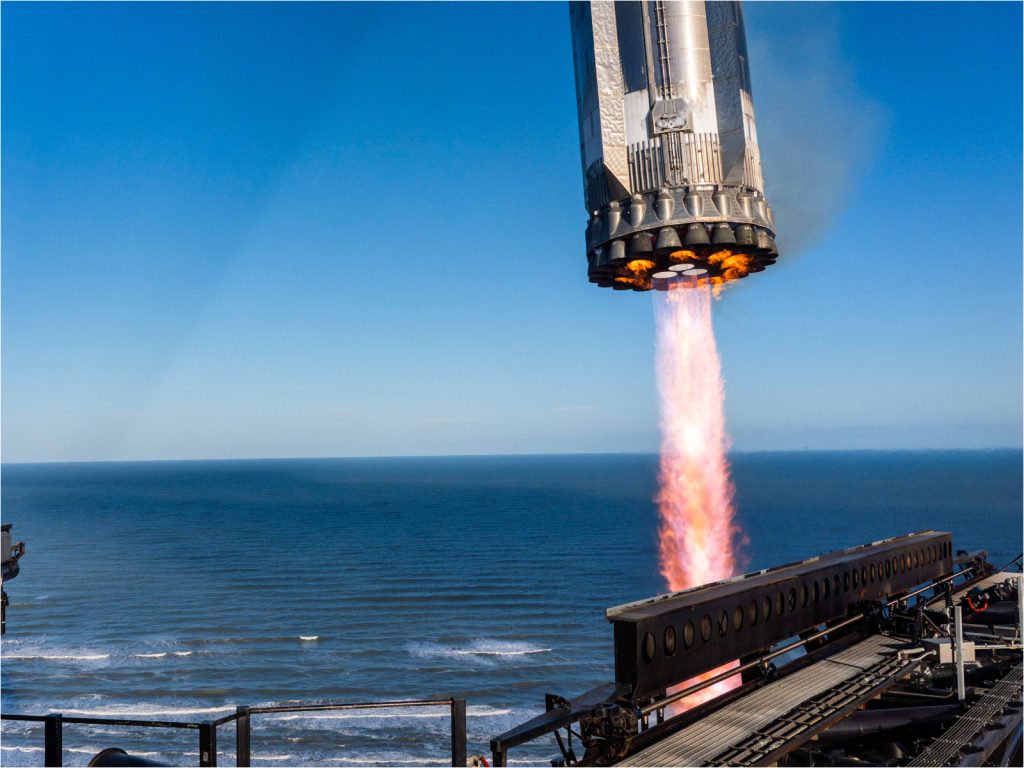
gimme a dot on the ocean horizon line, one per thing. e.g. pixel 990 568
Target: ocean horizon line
pixel 551 454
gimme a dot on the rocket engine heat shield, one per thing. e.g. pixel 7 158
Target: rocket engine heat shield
pixel 671 167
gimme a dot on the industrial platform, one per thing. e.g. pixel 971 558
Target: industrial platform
pixel 899 652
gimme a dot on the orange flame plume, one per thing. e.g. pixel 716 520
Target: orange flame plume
pixel 684 255
pixel 697 531
pixel 640 267
pixel 733 265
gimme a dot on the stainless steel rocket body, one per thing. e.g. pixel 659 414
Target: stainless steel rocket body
pixel 671 166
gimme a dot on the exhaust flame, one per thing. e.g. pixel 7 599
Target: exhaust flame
pixel 640 268
pixel 683 255
pixel 697 531
pixel 733 266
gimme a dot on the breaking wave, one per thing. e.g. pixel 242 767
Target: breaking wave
pixel 72 656
pixel 480 649
pixel 56 656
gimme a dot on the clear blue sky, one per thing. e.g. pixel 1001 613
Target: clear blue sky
pixel 313 230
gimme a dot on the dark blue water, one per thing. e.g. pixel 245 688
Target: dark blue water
pixel 178 590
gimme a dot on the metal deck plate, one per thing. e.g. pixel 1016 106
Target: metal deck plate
pixel 781 714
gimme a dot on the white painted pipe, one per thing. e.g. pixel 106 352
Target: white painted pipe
pixel 959 625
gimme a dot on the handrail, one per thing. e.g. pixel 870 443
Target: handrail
pixel 54 722
pixel 330 706
pixel 340 705
pixel 131 723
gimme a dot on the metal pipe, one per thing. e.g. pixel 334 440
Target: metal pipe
pixel 871 722
pixel 977 636
pixel 901 693
pixel 366 705
pixel 130 723
pixel 959 626
pixel 1020 606
pixel 936 583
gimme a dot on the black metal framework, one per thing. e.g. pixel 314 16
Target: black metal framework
pixel 53 727
pixel 665 640
pixel 883 577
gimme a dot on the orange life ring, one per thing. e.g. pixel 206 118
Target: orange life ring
pixel 977 608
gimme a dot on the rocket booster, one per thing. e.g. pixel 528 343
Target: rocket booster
pixel 671 169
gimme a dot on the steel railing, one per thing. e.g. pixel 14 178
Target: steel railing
pixel 54 722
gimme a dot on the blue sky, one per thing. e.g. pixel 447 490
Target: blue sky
pixel 325 230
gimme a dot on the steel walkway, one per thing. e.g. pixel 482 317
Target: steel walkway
pixel 774 719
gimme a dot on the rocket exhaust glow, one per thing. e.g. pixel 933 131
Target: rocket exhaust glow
pixel 698 534
pixel 695 500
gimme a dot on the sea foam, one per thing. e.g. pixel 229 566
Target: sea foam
pixel 481 649
pixel 56 656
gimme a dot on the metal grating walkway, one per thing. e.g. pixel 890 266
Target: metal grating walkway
pixel 784 713
pixel 945 750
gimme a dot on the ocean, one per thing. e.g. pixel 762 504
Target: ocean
pixel 177 590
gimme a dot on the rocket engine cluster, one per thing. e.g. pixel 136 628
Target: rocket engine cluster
pixel 671 167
